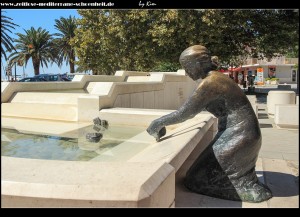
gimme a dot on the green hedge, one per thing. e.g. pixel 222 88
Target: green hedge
pixel 167 67
pixel 272 79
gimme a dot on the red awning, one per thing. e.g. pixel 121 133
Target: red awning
pixel 223 70
pixel 235 69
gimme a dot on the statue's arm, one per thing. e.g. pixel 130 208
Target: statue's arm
pixel 194 104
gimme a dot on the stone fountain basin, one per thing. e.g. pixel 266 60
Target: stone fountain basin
pixel 123 177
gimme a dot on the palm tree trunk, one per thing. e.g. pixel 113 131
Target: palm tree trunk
pixel 36 66
pixel 71 62
pixel 72 66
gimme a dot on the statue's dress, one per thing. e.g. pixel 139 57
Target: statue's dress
pixel 226 168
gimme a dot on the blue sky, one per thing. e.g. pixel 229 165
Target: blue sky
pixel 45 18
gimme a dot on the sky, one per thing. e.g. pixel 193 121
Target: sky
pixel 27 18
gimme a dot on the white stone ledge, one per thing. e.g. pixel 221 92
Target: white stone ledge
pixel 44 183
pixel 279 97
pixel 163 91
pixel 286 116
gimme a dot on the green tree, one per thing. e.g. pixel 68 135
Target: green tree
pixel 166 67
pixel 236 34
pixel 66 52
pixel 293 52
pixel 109 40
pixel 277 32
pixel 6 40
pixel 88 40
pixel 36 44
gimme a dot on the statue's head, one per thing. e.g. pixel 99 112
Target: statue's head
pixel 197 61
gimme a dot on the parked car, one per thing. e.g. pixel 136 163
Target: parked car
pixel 53 77
pixel 31 79
pixel 72 75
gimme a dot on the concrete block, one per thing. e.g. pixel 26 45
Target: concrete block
pixel 138 79
pixel 159 99
pixel 88 107
pixel 102 88
pixel 14 87
pixel 122 73
pixel 90 86
pixel 180 72
pixel 149 100
pixel 77 184
pixel 171 100
pixel 4 85
pixel 158 77
pixel 286 116
pixel 125 101
pixel 136 117
pixel 40 111
pixel 118 101
pixel 78 78
pixel 279 97
pixel 251 98
pixel 46 97
pixel 137 100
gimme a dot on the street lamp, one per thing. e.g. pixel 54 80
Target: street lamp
pixel 15 71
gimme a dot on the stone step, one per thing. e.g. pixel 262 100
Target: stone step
pixel 46 97
pixel 62 112
pixel 90 86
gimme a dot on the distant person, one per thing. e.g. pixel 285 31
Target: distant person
pixel 226 168
pixel 240 78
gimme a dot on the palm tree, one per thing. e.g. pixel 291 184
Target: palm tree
pixel 66 52
pixel 35 44
pixel 6 40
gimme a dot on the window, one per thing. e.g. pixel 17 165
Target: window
pixel 294 74
pixel 272 71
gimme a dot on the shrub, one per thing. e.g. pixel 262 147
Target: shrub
pixel 274 79
pixel 166 67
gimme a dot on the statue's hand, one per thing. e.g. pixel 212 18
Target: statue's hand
pixel 156 129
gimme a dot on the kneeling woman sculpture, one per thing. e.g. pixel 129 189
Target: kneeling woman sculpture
pixel 226 168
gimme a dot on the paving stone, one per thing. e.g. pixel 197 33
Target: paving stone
pixel 282 182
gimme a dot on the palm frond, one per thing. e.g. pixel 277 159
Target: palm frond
pixel 6 40
pixel 65 52
pixel 36 44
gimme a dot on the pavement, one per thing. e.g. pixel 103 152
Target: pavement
pixel 268 87
pixel 277 167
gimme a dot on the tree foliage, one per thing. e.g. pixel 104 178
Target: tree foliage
pixel 234 35
pixel 6 40
pixel 66 28
pixel 144 40
pixel 110 40
pixel 36 44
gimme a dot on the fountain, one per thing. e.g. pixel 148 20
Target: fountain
pixel 128 169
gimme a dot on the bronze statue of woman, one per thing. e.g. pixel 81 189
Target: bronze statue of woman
pixel 226 168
